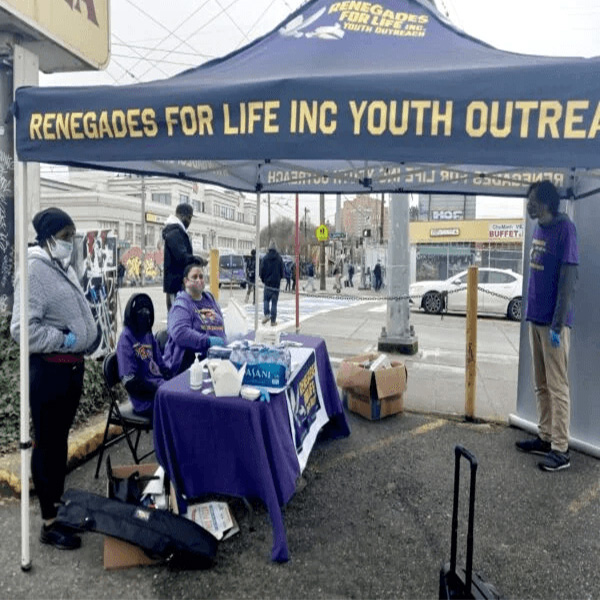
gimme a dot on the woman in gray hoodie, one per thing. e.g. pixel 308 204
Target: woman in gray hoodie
pixel 61 330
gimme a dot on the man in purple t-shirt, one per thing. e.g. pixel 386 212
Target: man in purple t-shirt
pixel 553 264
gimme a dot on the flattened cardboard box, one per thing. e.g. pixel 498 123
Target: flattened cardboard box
pixel 117 553
pixel 372 394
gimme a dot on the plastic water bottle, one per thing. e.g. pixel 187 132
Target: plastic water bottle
pixel 196 374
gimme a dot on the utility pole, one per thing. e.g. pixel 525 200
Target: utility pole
pixel 305 236
pixel 269 217
pixel 143 232
pixel 338 222
pixel 323 285
pixel 381 219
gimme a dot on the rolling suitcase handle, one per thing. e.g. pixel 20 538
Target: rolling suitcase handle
pixel 458 451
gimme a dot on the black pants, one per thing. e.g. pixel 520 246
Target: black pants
pixel 54 393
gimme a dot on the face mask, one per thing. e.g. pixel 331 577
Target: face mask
pixel 144 320
pixel 61 250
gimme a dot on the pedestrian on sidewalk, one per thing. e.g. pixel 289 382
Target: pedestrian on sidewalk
pixel 287 267
pixel 250 276
pixel 271 274
pixel 377 275
pixel 61 330
pixel 337 285
pixel 553 264
pixel 310 278
pixel 350 274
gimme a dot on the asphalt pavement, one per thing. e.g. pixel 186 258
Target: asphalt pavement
pixel 373 520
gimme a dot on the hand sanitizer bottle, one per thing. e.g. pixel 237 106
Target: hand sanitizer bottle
pixel 196 374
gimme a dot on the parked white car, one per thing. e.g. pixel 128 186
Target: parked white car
pixel 500 293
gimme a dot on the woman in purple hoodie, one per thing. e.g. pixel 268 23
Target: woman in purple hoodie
pixel 195 322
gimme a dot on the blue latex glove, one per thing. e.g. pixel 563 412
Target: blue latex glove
pixel 554 338
pixel 70 340
pixel 264 395
pixel 215 340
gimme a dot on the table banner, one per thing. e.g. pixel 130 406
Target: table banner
pixel 306 409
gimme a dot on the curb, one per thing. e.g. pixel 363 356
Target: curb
pixel 83 443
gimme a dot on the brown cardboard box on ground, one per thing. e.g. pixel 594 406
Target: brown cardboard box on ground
pixel 117 553
pixel 372 394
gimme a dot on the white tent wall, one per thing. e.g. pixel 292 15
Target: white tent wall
pixel 584 374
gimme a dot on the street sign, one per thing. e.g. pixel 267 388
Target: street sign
pixel 322 233
pixel 338 235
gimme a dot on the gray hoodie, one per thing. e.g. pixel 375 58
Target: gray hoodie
pixel 56 305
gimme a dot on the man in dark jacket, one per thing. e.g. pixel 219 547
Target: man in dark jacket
pixel 178 250
pixel 250 275
pixel 271 273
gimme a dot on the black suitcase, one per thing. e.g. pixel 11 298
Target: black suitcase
pixel 456 582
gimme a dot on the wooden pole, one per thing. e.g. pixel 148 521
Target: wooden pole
pixel 471 345
pixel 214 272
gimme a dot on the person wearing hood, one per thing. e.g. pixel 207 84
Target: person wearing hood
pixel 553 261
pixel 61 331
pixel 271 273
pixel 195 322
pixel 141 366
pixel 177 251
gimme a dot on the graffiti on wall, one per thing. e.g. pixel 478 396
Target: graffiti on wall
pixel 95 260
pixel 132 261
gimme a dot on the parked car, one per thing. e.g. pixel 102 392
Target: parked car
pixel 500 293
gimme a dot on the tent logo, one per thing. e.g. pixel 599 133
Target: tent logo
pixel 295 28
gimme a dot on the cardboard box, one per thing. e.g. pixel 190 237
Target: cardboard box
pixel 117 553
pixel 372 394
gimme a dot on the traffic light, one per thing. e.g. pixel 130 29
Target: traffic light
pixel 366 233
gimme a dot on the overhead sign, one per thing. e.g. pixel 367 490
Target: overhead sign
pixel 322 233
pixel 447 215
pixel 67 35
pixel 152 218
pixel 444 232
pixel 505 231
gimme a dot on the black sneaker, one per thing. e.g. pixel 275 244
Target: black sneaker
pixel 534 446
pixel 58 536
pixel 555 461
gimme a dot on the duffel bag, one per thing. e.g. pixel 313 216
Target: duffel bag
pixel 158 532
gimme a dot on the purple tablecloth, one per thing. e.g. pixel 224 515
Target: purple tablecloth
pixel 231 446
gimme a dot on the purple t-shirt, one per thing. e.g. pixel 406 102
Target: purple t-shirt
pixel 140 357
pixel 552 246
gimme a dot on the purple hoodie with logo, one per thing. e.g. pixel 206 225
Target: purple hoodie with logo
pixel 190 325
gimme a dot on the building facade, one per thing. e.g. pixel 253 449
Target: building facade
pixel 98 201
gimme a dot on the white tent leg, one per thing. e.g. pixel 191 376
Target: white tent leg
pixel 21 231
pixel 257 262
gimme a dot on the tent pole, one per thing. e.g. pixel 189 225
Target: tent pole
pixel 296 264
pixel 257 262
pixel 21 193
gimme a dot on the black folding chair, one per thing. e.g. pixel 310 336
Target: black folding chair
pixel 161 337
pixel 122 415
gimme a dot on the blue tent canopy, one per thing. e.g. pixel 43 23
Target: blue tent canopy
pixel 344 96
